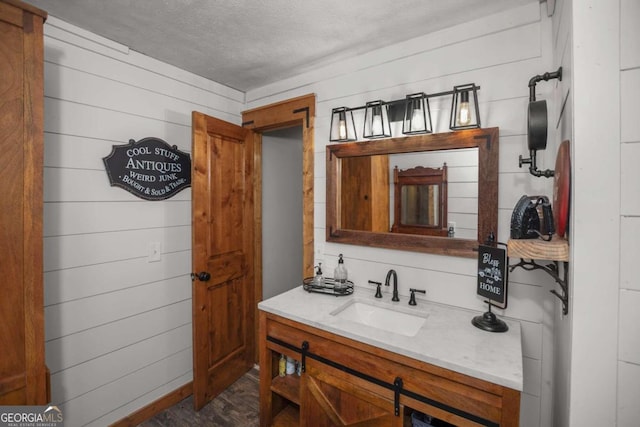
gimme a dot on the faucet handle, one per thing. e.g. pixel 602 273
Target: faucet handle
pixel 412 299
pixel 378 291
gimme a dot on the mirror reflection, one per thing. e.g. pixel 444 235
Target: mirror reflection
pixel 420 201
pixel 416 193
pixel 420 205
pixel 363 197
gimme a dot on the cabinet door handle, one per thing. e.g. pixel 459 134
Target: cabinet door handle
pixel 303 359
pixel 397 388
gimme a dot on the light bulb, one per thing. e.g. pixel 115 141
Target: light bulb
pixel 463 117
pixel 342 130
pixel 342 126
pixel 376 125
pixel 417 118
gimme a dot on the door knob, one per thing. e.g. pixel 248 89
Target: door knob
pixel 203 276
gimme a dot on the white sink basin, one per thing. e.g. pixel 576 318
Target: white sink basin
pixel 387 319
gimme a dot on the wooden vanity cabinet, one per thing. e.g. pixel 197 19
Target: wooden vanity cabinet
pixel 347 382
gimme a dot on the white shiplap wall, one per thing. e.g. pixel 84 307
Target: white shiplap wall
pixel 118 328
pixel 500 53
pixel 628 410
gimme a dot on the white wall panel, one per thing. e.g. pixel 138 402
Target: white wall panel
pixel 496 48
pixel 79 282
pixel 68 151
pixel 90 406
pixel 79 315
pixel 94 373
pixel 629 34
pixel 89 89
pixel 628 392
pixel 532 370
pixel 77 348
pixel 118 327
pixel 630 182
pixel 532 339
pixel 95 217
pixel 629 250
pixel 460 204
pixel 529 411
pixel 628 411
pixel 629 105
pixel 88 249
pixel 629 336
pixel 132 406
pixel 99 123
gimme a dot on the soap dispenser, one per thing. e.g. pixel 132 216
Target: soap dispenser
pixel 340 273
pixel 318 280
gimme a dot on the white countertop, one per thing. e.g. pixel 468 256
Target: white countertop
pixel 447 339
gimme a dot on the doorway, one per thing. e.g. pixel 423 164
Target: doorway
pixel 281 210
pixel 296 112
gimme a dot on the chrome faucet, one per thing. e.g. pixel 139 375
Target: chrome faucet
pixel 395 284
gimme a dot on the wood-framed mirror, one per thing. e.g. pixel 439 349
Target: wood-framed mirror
pixel 366 218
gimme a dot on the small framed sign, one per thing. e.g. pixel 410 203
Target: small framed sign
pixel 150 168
pixel 492 274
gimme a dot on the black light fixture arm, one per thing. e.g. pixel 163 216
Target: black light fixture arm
pixel 533 169
pixel 542 77
pixel 537 124
pixel 403 101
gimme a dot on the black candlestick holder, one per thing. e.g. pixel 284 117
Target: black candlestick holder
pixel 489 322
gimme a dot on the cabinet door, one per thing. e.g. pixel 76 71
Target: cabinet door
pixel 329 397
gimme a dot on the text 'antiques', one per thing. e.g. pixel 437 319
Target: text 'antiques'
pixel 150 168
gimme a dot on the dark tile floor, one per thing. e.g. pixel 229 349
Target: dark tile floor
pixel 237 406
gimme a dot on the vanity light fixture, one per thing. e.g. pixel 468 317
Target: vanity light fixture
pixel 343 128
pixel 464 114
pixel 376 120
pixel 413 111
pixel 417 115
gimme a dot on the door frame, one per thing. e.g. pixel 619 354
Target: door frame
pixel 298 111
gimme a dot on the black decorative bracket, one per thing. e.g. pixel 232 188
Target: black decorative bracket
pixel 554 271
pixel 306 110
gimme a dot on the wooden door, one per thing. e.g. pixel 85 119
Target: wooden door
pixel 223 255
pixel 329 397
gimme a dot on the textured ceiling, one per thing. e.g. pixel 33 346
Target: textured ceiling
pixel 246 44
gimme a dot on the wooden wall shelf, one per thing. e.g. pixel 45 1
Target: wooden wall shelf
pixel 555 250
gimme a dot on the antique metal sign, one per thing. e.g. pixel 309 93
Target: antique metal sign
pixel 150 168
